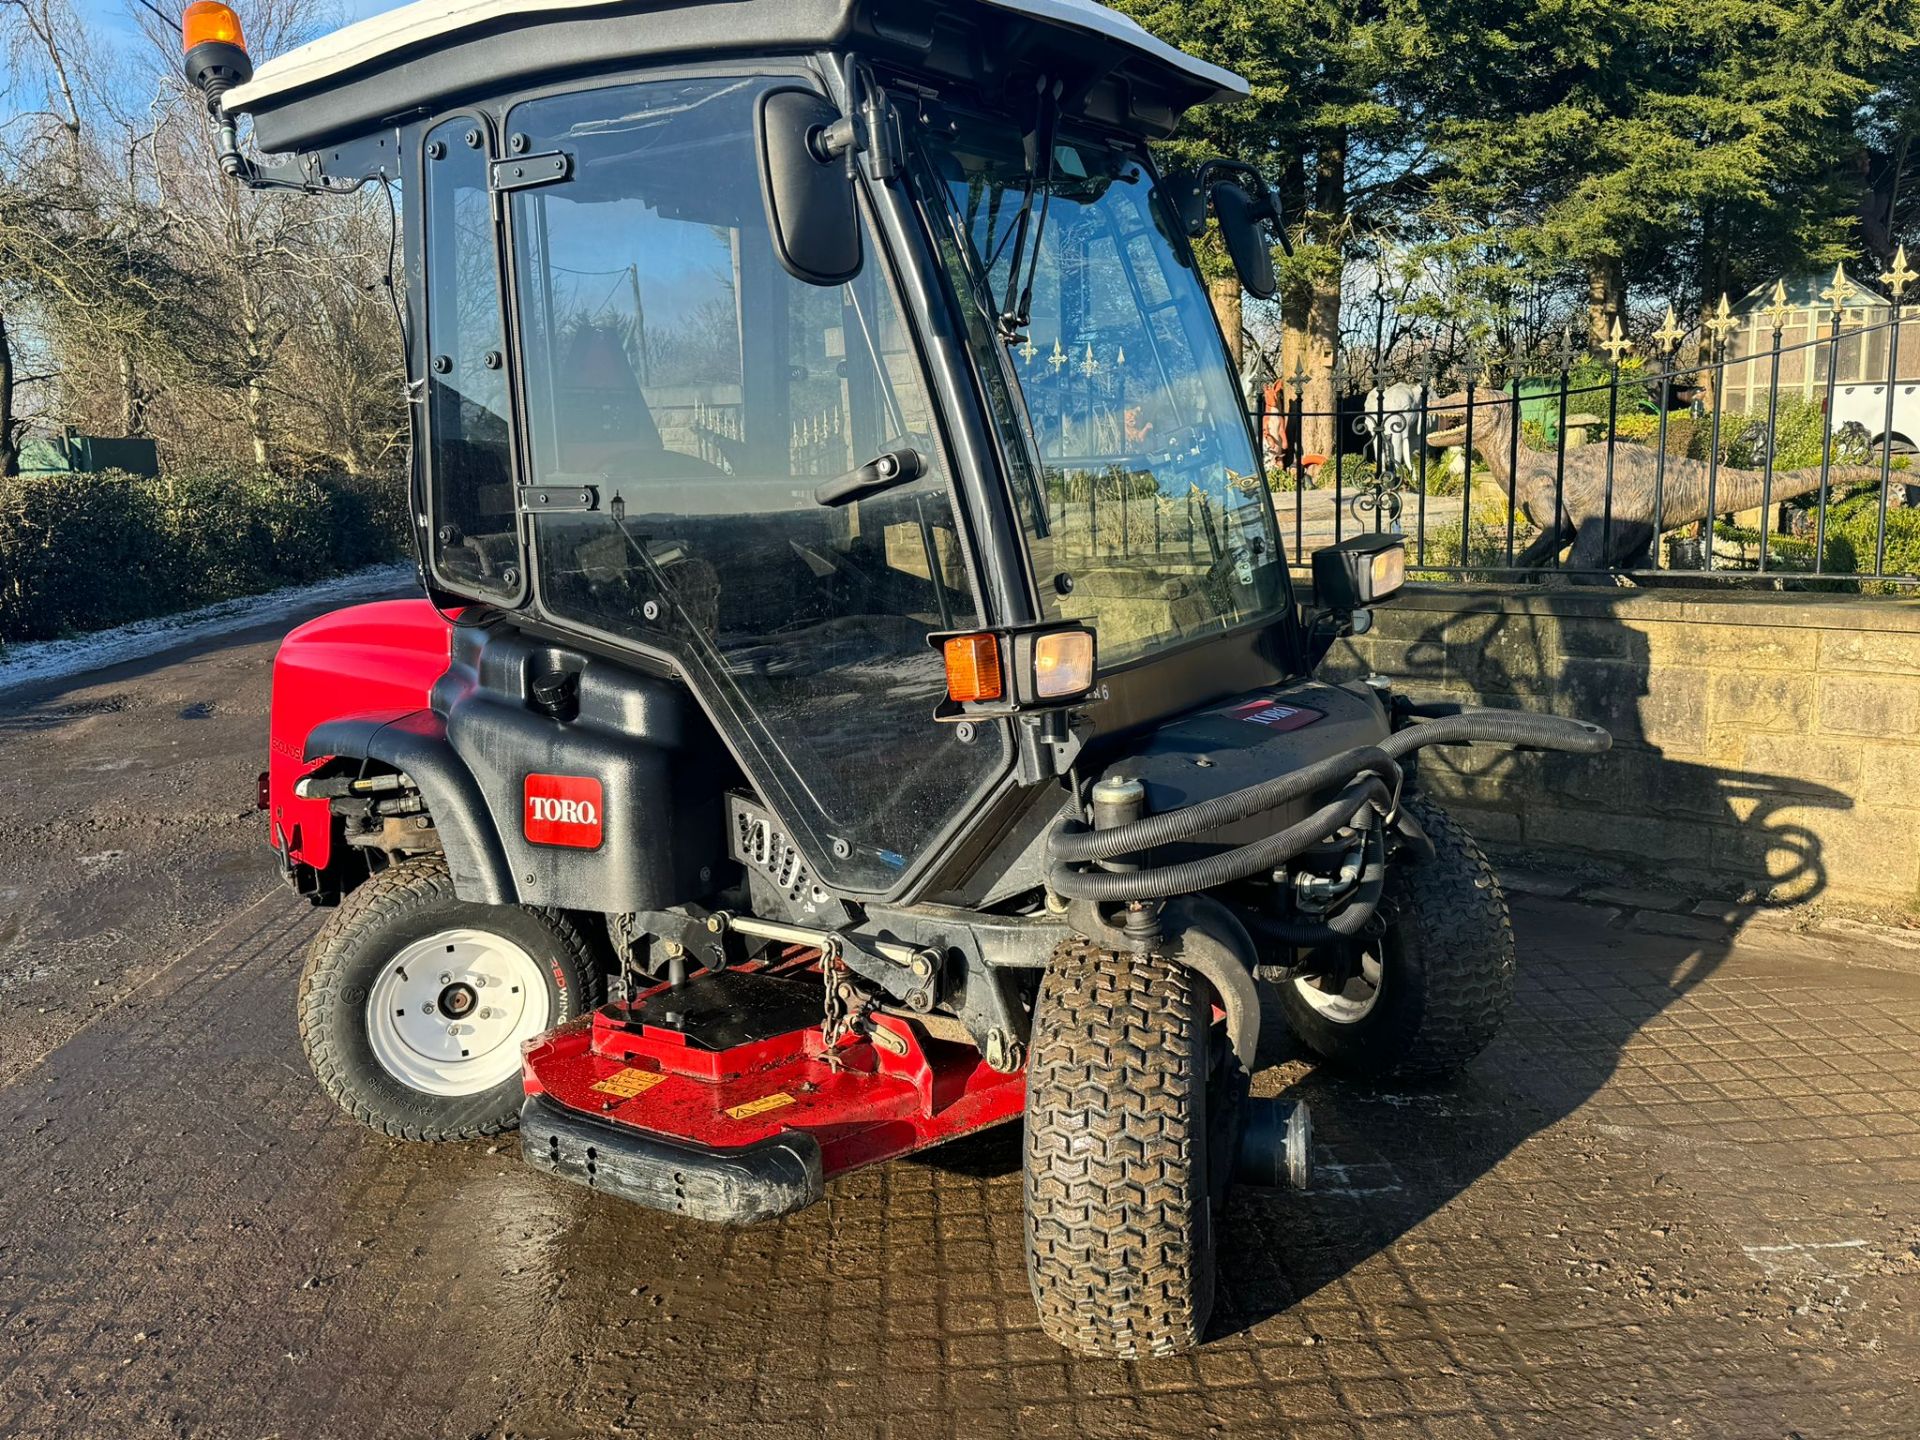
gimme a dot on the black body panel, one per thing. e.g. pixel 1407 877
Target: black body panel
pixel 1248 739
pixel 725 1009
pixel 775 1177
pixel 662 771
pixel 414 742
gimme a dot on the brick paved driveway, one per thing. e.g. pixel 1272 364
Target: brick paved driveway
pixel 1677 1198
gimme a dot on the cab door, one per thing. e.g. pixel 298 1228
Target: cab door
pixel 685 398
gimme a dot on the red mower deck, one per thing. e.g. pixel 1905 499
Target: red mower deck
pixel 698 1101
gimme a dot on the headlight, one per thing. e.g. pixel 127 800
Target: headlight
pixel 1062 664
pixel 1388 572
pixel 1358 572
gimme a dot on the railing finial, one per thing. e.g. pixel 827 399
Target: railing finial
pixel 1781 310
pixel 1899 277
pixel 1836 294
pixel 1669 335
pixel 1723 322
pixel 1617 345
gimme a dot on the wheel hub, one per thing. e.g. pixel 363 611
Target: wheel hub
pixel 1346 992
pixel 449 1012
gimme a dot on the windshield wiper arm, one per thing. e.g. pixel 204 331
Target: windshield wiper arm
pixel 1016 313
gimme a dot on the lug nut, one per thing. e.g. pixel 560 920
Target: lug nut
pixel 486 1014
pixel 445 978
pixel 426 1007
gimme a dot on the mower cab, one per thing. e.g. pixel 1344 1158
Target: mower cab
pixel 857 642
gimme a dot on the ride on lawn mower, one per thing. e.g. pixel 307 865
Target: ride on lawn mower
pixel 860 696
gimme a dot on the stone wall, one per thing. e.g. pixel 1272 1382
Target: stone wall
pixel 1770 741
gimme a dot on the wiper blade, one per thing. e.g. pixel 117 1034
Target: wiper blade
pixel 1016 312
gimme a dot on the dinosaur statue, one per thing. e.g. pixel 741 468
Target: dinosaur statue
pixel 1583 503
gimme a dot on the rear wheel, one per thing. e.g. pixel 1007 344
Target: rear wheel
pixel 1120 1188
pixel 1422 993
pixel 414 1003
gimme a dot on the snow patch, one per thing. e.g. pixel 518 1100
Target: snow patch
pixel 38 661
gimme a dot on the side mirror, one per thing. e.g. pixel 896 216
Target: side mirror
pixel 1243 228
pixel 807 188
pixel 1358 572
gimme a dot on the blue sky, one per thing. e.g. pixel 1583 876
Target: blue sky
pixel 112 15
pixel 112 19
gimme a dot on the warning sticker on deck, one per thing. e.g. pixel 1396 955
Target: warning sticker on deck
pixel 628 1083
pixel 759 1107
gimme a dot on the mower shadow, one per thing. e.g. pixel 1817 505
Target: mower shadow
pixel 1589 980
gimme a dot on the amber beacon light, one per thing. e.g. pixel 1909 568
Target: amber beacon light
pixel 215 58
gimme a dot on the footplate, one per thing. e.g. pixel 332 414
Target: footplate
pixel 741 1184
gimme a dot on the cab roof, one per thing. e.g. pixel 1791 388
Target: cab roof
pixel 428 54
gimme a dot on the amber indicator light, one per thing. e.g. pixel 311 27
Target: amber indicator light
pixel 973 668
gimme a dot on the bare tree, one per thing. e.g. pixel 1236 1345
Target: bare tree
pixel 230 325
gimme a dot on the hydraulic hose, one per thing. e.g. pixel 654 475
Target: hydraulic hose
pixel 1367 790
pixel 1500 727
pixel 1072 841
pixel 1354 914
pixel 1371 776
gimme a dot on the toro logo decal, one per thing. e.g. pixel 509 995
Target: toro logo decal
pixel 563 810
pixel 1274 715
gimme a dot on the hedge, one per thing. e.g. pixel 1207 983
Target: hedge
pixel 1853 529
pixel 81 552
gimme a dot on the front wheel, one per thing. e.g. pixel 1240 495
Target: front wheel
pixel 1119 1185
pixel 414 1003
pixel 1422 991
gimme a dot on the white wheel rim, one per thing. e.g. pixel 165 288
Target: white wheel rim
pixel 1354 1001
pixel 448 1013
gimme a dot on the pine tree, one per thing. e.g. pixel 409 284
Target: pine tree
pixel 1328 125
pixel 1692 146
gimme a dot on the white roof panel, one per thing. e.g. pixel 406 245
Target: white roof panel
pixel 426 22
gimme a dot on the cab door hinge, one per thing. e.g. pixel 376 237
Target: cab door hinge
pixel 523 172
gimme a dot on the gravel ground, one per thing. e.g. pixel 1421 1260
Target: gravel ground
pixel 1675 1198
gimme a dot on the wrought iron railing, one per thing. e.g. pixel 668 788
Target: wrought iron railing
pixel 1620 467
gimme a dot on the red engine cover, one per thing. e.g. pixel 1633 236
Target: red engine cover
pixel 383 656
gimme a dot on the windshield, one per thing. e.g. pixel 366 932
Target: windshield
pixel 1149 519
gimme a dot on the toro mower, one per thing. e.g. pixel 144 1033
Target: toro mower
pixel 859 695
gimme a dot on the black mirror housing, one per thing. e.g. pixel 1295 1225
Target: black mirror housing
pixel 808 192
pixel 1243 228
pixel 1358 572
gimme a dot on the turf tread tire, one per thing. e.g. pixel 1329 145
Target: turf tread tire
pixel 1450 980
pixel 327 1001
pixel 1118 1212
